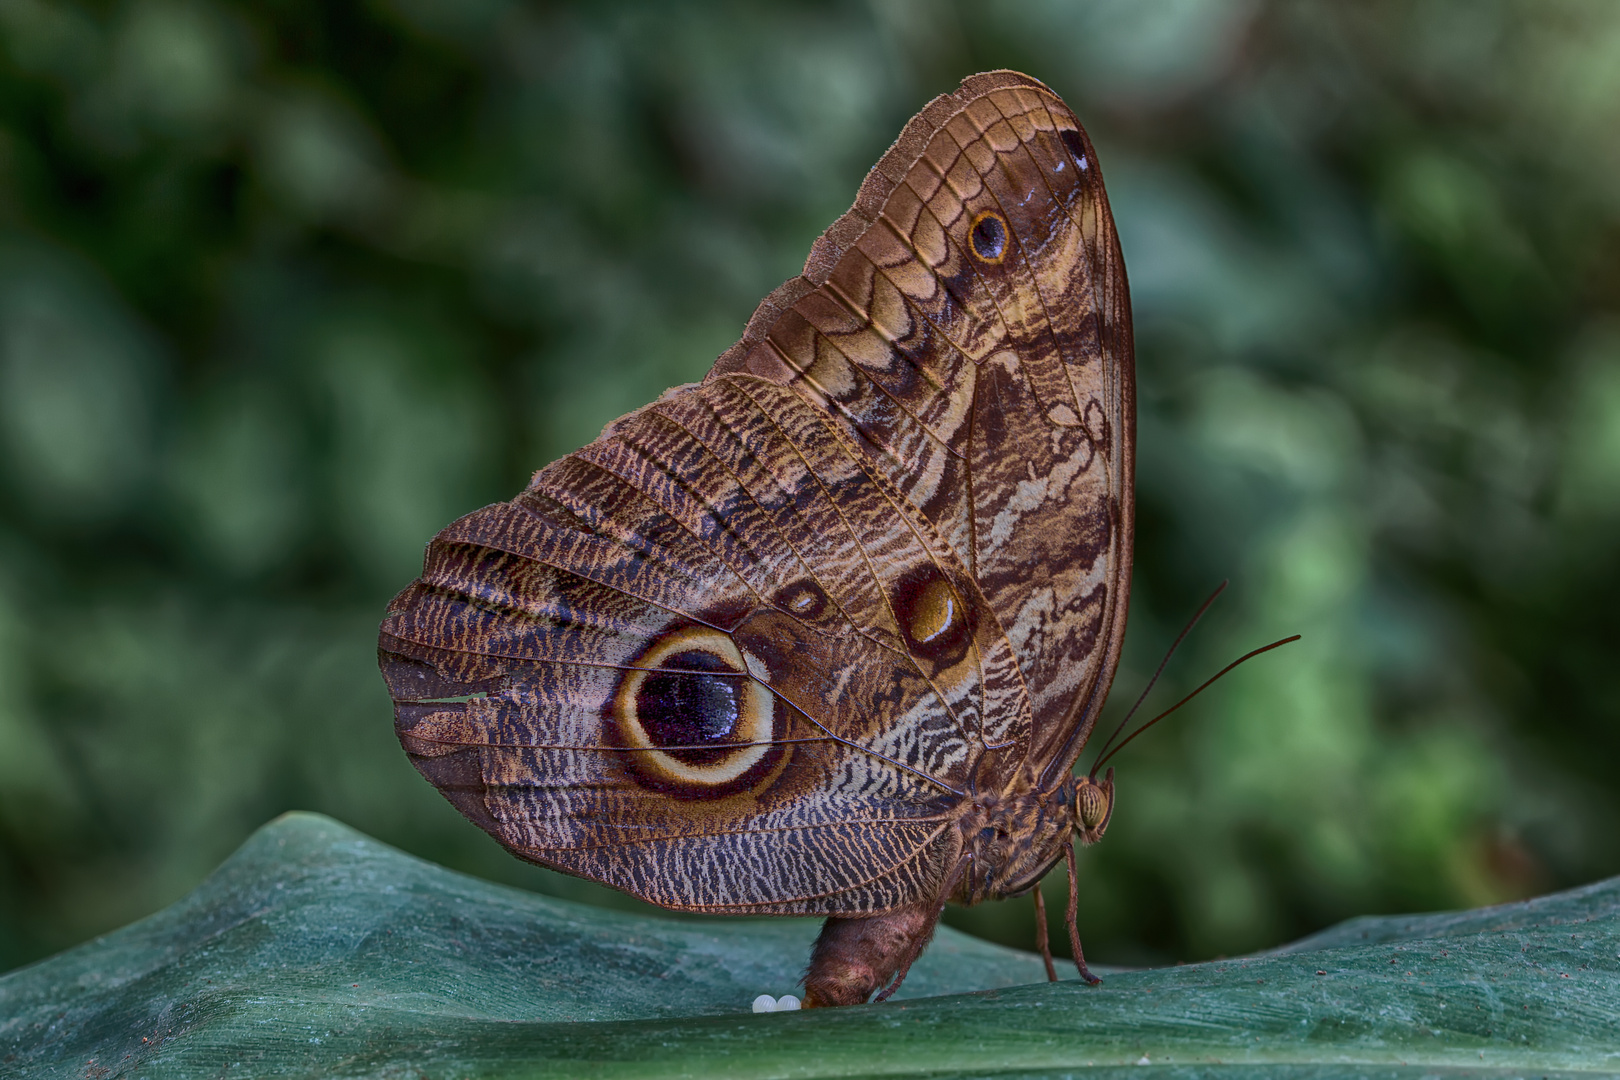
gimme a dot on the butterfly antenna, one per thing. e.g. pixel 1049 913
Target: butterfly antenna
pixel 1189 697
pixel 1174 645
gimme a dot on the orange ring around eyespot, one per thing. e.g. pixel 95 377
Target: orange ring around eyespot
pixel 756 714
pixel 1006 237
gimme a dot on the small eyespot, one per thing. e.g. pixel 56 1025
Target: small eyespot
pixel 803 599
pixel 987 236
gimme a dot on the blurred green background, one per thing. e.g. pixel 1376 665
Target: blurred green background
pixel 286 287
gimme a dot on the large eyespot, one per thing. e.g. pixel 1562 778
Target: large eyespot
pixel 988 237
pixel 693 718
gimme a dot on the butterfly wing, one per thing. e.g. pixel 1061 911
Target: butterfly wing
pixel 753 648
pixel 968 323
pixel 721 555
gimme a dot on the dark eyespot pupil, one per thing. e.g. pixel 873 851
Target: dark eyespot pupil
pixel 686 707
pixel 989 237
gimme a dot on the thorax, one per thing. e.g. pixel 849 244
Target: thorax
pixel 1011 841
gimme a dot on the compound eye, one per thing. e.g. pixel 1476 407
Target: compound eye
pixel 1093 805
pixel 692 715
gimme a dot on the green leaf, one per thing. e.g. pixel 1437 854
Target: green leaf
pixel 315 951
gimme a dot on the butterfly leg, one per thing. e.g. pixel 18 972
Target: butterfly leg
pixel 1043 940
pixel 1074 921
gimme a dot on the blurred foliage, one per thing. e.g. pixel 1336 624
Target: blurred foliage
pixel 286 287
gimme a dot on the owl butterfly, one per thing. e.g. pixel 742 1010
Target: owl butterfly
pixel 824 633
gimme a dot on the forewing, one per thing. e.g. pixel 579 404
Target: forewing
pixel 988 378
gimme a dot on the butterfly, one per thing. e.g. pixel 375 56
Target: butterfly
pixel 825 633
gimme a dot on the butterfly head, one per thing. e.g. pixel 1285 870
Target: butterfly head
pixel 1093 806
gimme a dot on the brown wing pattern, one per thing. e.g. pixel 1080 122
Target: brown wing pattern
pixel 732 510
pixel 983 388
pixel 756 647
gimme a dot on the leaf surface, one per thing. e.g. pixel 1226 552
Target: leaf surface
pixel 315 951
